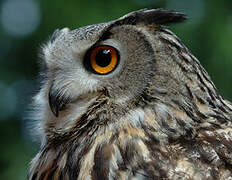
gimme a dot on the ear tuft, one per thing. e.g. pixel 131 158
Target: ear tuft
pixel 152 16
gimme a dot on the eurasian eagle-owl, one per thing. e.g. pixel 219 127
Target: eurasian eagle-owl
pixel 127 100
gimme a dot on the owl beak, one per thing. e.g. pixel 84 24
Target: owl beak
pixel 53 104
pixel 57 102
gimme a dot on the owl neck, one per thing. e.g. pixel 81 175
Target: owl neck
pixel 94 135
pixel 180 81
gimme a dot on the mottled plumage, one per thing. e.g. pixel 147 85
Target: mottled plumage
pixel 158 115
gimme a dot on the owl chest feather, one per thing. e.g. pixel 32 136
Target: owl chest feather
pixel 138 146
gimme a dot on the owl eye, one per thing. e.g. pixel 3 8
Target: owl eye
pixel 103 59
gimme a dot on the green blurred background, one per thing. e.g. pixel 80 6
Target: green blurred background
pixel 26 24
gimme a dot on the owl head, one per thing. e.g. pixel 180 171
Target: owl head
pixel 119 59
pixel 127 100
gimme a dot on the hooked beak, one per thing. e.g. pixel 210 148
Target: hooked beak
pixel 57 102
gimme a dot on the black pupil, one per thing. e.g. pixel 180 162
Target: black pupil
pixel 103 58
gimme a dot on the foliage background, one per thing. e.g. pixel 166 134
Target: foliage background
pixel 26 24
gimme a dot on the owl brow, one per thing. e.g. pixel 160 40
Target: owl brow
pixel 148 16
pixel 106 35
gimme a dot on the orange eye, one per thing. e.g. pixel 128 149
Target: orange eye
pixel 103 59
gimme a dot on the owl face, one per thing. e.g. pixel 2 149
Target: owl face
pixel 98 58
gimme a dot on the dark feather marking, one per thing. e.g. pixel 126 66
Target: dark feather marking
pixel 124 162
pixel 180 49
pixel 202 88
pixel 172 43
pixel 148 131
pixel 34 176
pixel 128 156
pixel 202 101
pixel 42 175
pixel 210 92
pixel 216 140
pixel 51 172
pixel 106 35
pixel 71 164
pixel 205 156
pixel 221 118
pixel 159 158
pixel 206 76
pixel 189 131
pixel 187 109
pixel 230 108
pixel 201 115
pixel 211 103
pixel 188 61
pixel 189 92
pixel 102 162
pixel 222 108
pixel 214 173
pixel 197 110
pixel 74 159
pixel 202 74
pixel 113 137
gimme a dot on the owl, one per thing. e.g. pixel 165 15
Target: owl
pixel 127 100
